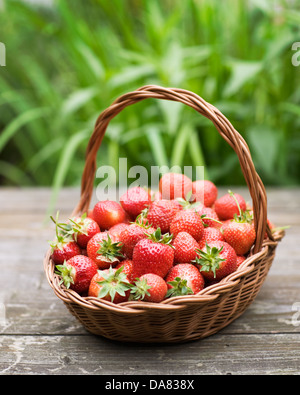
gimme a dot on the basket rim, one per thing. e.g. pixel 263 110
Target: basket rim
pixel 208 294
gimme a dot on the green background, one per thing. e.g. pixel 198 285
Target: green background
pixel 67 61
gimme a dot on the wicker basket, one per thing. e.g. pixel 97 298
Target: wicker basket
pixel 181 318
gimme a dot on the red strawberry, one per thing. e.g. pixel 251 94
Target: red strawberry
pixel 187 221
pixel 90 214
pixel 239 232
pixel 174 185
pixel 104 250
pixel 228 205
pixel 111 285
pixel 135 200
pixel 132 235
pixel 270 223
pixel 205 191
pixel 161 214
pixel 224 224
pixel 209 235
pixel 83 229
pixel 153 255
pixel 240 235
pixel 63 249
pixel 271 226
pixel 240 260
pixel 116 230
pixel 185 248
pixel 77 272
pixel 184 279
pixel 216 260
pixel 108 213
pixel 149 288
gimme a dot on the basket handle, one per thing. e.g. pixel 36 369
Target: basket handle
pixel 224 127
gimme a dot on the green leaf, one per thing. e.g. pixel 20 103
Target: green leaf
pixel 130 74
pixel 180 146
pixel 196 153
pixel 172 114
pixel 92 60
pixel 157 145
pixel 265 145
pixel 242 72
pixel 14 174
pixel 21 120
pixel 64 163
pixel 78 99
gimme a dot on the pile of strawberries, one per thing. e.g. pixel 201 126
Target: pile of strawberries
pixel 153 246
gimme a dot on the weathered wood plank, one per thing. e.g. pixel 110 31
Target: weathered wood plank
pixel 217 355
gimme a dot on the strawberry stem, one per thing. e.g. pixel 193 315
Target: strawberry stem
pixel 237 203
pixel 280 228
pixel 66 228
pixel 211 219
pixel 62 237
pixel 157 237
pixel 244 216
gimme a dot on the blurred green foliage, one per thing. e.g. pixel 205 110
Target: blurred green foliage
pixel 66 63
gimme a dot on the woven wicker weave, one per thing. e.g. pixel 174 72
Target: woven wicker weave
pixel 181 318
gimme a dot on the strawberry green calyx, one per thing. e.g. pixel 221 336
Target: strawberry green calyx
pixel 209 259
pixel 244 217
pixel 186 202
pixel 179 287
pixel 141 220
pixel 140 289
pixel 114 282
pixel 67 273
pixel 60 242
pixel 110 251
pixel 158 237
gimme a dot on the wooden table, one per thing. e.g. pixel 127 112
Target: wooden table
pixel 38 335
